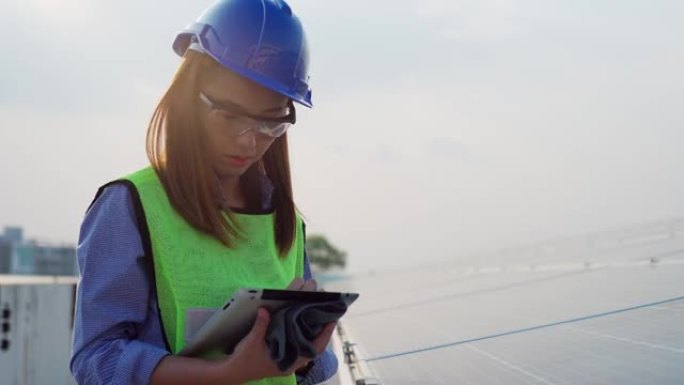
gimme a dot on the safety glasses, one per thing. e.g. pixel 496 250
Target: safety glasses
pixel 237 121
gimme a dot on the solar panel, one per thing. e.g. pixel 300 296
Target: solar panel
pixel 586 314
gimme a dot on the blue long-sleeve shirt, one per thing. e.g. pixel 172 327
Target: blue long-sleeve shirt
pixel 117 334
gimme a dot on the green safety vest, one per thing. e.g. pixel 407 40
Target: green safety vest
pixel 194 270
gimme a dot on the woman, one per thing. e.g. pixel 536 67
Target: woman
pixel 212 213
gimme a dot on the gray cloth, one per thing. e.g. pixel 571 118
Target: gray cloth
pixel 293 329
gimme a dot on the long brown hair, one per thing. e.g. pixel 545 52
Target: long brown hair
pixel 177 151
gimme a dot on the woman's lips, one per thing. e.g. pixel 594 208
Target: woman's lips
pixel 238 161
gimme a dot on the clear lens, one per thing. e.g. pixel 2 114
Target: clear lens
pixel 236 125
pixel 239 126
pixel 273 130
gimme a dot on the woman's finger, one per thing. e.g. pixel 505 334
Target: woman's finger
pixel 296 284
pixel 310 285
pixel 258 332
pixel 322 340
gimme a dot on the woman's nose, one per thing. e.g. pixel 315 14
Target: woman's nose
pixel 247 139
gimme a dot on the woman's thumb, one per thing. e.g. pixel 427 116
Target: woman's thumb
pixel 260 324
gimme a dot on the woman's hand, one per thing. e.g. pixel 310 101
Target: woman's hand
pixel 252 359
pixel 301 284
pixel 310 285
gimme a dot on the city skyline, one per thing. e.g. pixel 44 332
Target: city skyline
pixel 25 256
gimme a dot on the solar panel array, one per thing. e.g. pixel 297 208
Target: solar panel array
pixel 599 309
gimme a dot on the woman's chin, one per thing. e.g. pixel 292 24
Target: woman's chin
pixel 227 171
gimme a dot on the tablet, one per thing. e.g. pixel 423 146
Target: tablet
pixel 228 325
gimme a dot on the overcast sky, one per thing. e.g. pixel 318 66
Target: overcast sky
pixel 439 127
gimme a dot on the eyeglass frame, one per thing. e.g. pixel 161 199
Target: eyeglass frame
pixel 234 109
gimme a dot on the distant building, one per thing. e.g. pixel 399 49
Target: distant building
pixel 13 234
pixel 5 256
pixel 19 256
pixel 35 259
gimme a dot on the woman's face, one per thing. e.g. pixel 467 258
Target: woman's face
pixel 231 155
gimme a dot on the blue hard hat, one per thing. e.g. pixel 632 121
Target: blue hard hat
pixel 261 40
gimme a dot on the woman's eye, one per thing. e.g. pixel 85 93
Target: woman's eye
pixel 227 116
